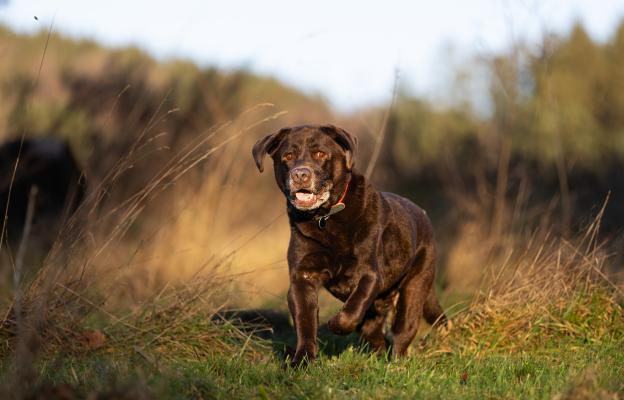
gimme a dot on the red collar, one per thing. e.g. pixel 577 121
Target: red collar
pixel 343 195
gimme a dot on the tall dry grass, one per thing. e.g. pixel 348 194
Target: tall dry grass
pixel 548 292
pixel 226 215
pixel 118 280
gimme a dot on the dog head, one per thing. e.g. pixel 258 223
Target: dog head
pixel 311 162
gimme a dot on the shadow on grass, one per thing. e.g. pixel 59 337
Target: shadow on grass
pixel 276 327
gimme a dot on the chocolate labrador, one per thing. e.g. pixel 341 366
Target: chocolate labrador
pixel 372 250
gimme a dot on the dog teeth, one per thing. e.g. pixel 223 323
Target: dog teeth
pixel 304 196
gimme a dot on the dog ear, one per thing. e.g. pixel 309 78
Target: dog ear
pixel 347 141
pixel 267 145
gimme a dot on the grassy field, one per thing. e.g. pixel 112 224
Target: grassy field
pixel 548 325
pixel 568 370
pixel 95 321
pixel 564 367
pixel 178 226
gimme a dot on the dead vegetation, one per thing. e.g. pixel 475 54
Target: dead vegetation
pixel 91 294
pixel 553 293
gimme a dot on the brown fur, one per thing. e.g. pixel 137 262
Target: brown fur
pixel 377 255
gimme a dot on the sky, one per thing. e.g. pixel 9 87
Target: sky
pixel 348 51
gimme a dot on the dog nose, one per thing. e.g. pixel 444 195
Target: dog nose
pixel 301 175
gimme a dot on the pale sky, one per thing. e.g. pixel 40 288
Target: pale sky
pixel 346 50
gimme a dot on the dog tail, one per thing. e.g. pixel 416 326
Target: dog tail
pixel 432 311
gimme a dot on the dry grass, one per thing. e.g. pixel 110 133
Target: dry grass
pixel 126 286
pixel 586 386
pixel 92 294
pixel 556 289
pixel 224 217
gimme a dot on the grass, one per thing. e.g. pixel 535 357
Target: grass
pixel 502 345
pixel 546 323
pixel 596 369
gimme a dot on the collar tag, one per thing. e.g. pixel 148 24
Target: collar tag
pixel 336 208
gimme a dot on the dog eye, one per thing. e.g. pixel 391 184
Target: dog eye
pixel 288 156
pixel 318 155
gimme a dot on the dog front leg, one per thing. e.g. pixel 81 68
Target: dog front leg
pixel 303 305
pixel 355 307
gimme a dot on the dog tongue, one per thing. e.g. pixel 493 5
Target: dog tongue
pixel 306 197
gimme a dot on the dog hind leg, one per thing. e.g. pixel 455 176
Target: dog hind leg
pixel 412 298
pixel 432 311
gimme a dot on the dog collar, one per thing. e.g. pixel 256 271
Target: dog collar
pixel 336 208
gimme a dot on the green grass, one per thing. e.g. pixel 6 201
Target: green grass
pixel 548 326
pixel 573 349
pixel 354 373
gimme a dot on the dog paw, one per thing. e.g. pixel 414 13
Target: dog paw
pixel 302 358
pixel 342 324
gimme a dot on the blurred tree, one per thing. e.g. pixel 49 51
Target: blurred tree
pixel 555 134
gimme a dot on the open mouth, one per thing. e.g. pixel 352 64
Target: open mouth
pixel 304 198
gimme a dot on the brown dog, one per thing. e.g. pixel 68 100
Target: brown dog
pixel 372 250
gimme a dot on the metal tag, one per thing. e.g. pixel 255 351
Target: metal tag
pixel 322 222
